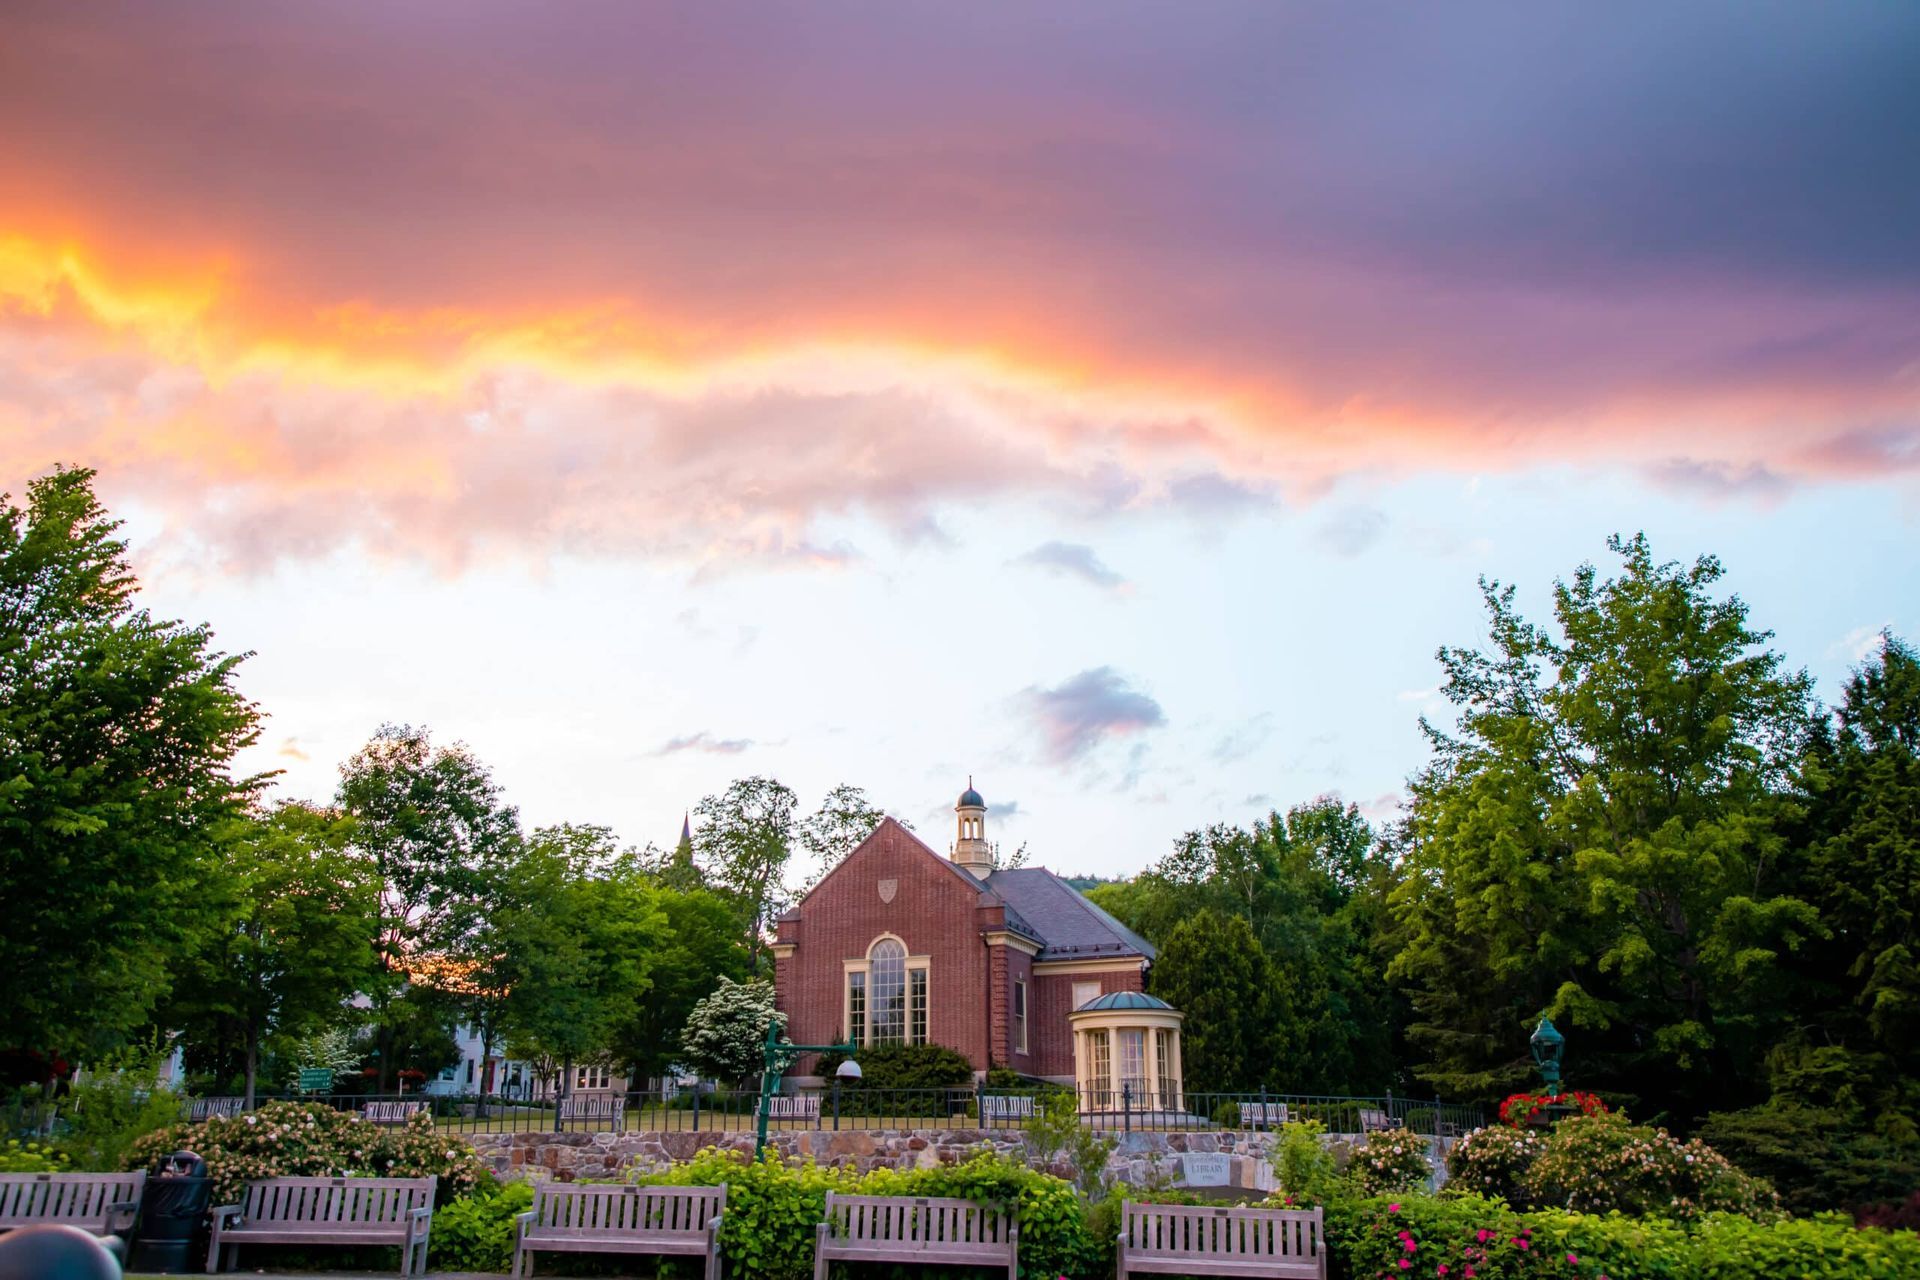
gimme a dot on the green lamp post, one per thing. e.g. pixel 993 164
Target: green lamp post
pixel 1548 1045
pixel 775 1059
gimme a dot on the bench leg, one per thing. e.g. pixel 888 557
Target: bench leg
pixel 820 1252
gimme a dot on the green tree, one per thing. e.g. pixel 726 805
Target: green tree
pixel 1213 970
pixel 701 949
pixel 294 941
pixel 845 818
pixel 1599 837
pixel 431 823
pixel 579 948
pixel 117 739
pixel 744 842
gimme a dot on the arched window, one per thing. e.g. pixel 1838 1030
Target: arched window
pixel 887 992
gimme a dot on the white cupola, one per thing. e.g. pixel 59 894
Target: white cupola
pixel 971 852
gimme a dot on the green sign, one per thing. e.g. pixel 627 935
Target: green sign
pixel 316 1079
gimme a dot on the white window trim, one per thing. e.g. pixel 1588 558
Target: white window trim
pixel 924 963
pixel 1020 1015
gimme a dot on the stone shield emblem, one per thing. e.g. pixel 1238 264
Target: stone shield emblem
pixel 887 889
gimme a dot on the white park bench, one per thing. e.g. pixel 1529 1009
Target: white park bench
pixel 1263 1115
pixel 1201 1240
pixel 915 1231
pixel 594 1108
pixel 102 1203
pixel 1373 1120
pixel 798 1107
pixel 391 1112
pixel 585 1218
pixel 198 1109
pixel 331 1211
pixel 1007 1106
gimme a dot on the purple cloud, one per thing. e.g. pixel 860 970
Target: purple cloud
pixel 1074 560
pixel 1086 710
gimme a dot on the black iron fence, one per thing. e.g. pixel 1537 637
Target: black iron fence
pixel 1144 1106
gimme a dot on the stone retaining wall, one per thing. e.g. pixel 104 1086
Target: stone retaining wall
pixel 1138 1158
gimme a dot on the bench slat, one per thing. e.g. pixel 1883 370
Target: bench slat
pixel 1206 1240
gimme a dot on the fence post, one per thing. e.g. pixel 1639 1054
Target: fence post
pixel 696 1104
pixel 980 1103
pixel 1436 1117
pixel 1126 1104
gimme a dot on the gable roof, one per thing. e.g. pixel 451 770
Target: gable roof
pixel 1014 921
pixel 1059 916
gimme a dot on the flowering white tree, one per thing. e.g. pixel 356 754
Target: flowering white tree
pixel 726 1032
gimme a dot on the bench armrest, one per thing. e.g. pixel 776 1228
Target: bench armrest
pixel 420 1213
pixel 521 1221
pixel 221 1214
pixel 131 1208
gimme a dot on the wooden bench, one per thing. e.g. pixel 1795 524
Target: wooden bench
pixel 198 1109
pixel 805 1107
pixel 594 1108
pixel 1193 1240
pixel 102 1203
pixel 1263 1115
pixel 337 1211
pixel 1008 1106
pixel 583 1218
pixel 915 1231
pixel 1375 1121
pixel 391 1112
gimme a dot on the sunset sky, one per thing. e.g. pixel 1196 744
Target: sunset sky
pixel 1114 402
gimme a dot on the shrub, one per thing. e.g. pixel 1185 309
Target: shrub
pixel 1492 1161
pixel 1227 1115
pixel 1056 1136
pixel 32 1157
pixel 1728 1247
pixel 293 1139
pixel 1395 1160
pixel 1817 1157
pixel 1598 1163
pixel 1306 1171
pixel 1456 1238
pixel 476 1233
pixel 726 1031
pixel 904 1066
pixel 772 1208
pixel 112 1107
pixel 1904 1216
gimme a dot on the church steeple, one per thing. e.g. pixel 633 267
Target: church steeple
pixel 970 848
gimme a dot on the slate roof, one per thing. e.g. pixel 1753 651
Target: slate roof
pixel 1054 913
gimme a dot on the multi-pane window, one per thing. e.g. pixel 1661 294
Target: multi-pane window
pixel 887 996
pixel 591 1078
pixel 1133 1067
pixel 887 988
pixel 1019 1016
pixel 857 1007
pixel 1099 1064
pixel 1163 1068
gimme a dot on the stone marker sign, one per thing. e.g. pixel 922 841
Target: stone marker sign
pixel 1206 1170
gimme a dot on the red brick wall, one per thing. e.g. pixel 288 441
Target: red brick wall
pixel 1049 1034
pixel 935 911
pixel 1019 967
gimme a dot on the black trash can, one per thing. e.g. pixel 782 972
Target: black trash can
pixel 172 1211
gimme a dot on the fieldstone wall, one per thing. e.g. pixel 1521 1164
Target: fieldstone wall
pixel 1140 1159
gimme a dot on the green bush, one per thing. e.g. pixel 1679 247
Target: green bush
pixel 772 1209
pixel 1728 1247
pixel 293 1139
pixel 476 1233
pixel 1227 1115
pixel 1457 1237
pixel 1818 1158
pixel 1602 1163
pixel 1307 1172
pixel 904 1066
pixel 1391 1161
pixel 32 1157
pixel 112 1107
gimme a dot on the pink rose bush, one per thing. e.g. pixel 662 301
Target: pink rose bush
pixel 1395 1160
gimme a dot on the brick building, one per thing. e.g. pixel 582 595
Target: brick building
pixel 899 944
